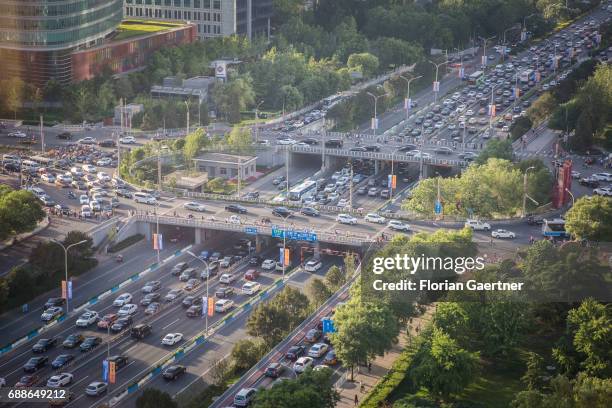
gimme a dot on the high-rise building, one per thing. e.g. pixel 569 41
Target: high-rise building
pixel 38 36
pixel 214 18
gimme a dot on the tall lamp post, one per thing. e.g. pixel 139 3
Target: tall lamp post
pixel 66 248
pixel 257 120
pixel 436 84
pixel 571 195
pixel 484 50
pixel 285 243
pixel 187 106
pixel 392 162
pixel 375 120
pixel 504 39
pixel 207 292
pixel 408 102
pixel 525 189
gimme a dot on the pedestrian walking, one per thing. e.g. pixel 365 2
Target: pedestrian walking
pixel 369 366
pixel 356 400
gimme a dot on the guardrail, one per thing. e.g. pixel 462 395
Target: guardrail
pixel 199 339
pixel 259 228
pixel 92 301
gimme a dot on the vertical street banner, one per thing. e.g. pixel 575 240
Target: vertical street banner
pixel 517 92
pixel 461 72
pixel 111 372
pixel 436 86
pixel 211 306
pixel 407 103
pixel 374 124
pixel 204 306
pixel 64 290
pixel 523 35
pixel 538 76
pixel 158 242
pixel 391 181
pixel 105 370
pixel 483 60
pixel 492 110
pixel 70 289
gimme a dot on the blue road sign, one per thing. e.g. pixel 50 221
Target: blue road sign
pixel 328 326
pixel 438 207
pixel 295 235
pixel 251 230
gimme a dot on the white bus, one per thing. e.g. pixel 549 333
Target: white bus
pixel 475 77
pixel 298 192
pixel 29 165
pixel 526 76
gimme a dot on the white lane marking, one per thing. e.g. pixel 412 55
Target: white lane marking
pixel 170 324
pixel 80 381
pixel 75 400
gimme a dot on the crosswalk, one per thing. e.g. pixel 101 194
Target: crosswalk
pixel 529 154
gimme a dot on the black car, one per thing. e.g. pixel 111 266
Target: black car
pixel 281 212
pixel 140 331
pixel 51 302
pixel 121 192
pixel 90 343
pixel 190 300
pixel 121 324
pixel 194 311
pixel 173 372
pixel 43 345
pixel 309 211
pixel 253 195
pixel 334 143
pixel 73 340
pixel 178 268
pixel 12 167
pixel 150 298
pixel 120 361
pixel 589 182
pixel 224 292
pixel 61 360
pixel 274 370
pixel 235 208
pixel 295 352
pixel 531 220
pixel 310 141
pixel 373 148
pixel 255 260
pixel 407 148
pixel 65 136
pixel 35 364
pixel 278 180
pixel 106 143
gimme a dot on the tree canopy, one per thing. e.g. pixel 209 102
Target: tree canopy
pixel 589 218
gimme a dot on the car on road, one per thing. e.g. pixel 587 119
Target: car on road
pixel 223 305
pixel 83 199
pixel 227 278
pixel 313 265
pixel 235 208
pixel 51 302
pixel 140 331
pixel 171 339
pixel 376 218
pixel 274 370
pixel 127 140
pixel 224 292
pixel 318 350
pixel 35 363
pixel 107 320
pixel 281 212
pixel 48 177
pixel 173 295
pixel 278 180
pixel 502 233
pixel 96 388
pixel 251 288
pixel 121 324
pixel 603 191
pixel 295 352
pixel 312 335
pixel 251 275
pixel 151 286
pixel 26 381
pixel 268 264
pixel 87 141
pixel 43 345
pixel 87 318
pixel 51 313
pixel 602 176
pixel 61 360
pixel 255 260
pixel 104 162
pixel 302 364
pixel 589 182
pixel 128 310
pixel 178 268
pixel 18 134
pixel 330 358
pixel 346 219
pixel 397 225
pixel 187 274
pixel 309 211
pixel 244 397
pixel 477 225
pixel 152 309
pixel 73 340
pixel 119 360
pixel 122 299
pixel 194 206
pixel 90 343
pixel 194 311
pixel 192 284
pixel 60 380
pixel 173 372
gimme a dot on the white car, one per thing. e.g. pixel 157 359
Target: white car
pixel 286 141
pixel 313 265
pixel 234 219
pixel 227 278
pixel 102 176
pixel 477 225
pixel 603 191
pixel 193 206
pixel 105 161
pixel 172 338
pixel 346 219
pixel 89 168
pixel 173 295
pixel 127 310
pixel 48 177
pixel 60 380
pixel 85 211
pixel 575 174
pixel 122 299
pixel 18 134
pixel 268 264
pixel 373 217
pixel 398 225
pixel 51 313
pixel 302 364
pixel 602 176
pixel 87 318
pixel 250 288
pixel 127 140
pixel 502 233
pixel 152 286
pixel 87 140
pixel 318 350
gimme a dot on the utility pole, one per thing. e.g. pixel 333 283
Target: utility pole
pixel 436 84
pixel 187 105
pixel 42 136
pixel 287 166
pixel 257 121
pixel 525 190
pixel 351 187
pixel 408 102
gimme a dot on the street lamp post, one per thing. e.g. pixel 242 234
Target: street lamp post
pixel 525 189
pixel 525 20
pixel 408 101
pixel 375 124
pixel 572 196
pixel 484 50
pixel 207 288
pixel 285 243
pixel 257 120
pixel 392 162
pixel 436 83
pixel 66 265
pixel 187 106
pixel 504 39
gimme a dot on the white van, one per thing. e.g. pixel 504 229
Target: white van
pixel 244 397
pixel 223 305
pixel 144 198
pixel 29 165
pixel 85 211
pixel 477 225
pixel 11 158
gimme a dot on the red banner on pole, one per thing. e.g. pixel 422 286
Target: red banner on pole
pixel 64 290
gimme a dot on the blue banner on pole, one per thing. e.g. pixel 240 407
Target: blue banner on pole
pixel 105 370
pixel 70 289
pixel 438 207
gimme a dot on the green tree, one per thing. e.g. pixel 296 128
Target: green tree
pixel 318 292
pixel 292 97
pixel 363 331
pixel 20 211
pixel 233 97
pixel 541 108
pixel 453 319
pixel 312 389
pixel 392 52
pixel 535 371
pixel 216 185
pixel 589 218
pixel 247 352
pixel 154 398
pixel 443 367
pixel 194 142
pixel 14 95
pixel 240 139
pixel 496 148
pixel 520 126
pixel 365 63
pixel 335 278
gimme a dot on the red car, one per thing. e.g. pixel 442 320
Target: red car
pixel 107 321
pixel 27 381
pixel 251 274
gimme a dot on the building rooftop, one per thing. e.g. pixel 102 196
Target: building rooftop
pixel 225 158
pixel 134 28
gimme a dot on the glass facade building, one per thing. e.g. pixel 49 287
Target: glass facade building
pixel 37 36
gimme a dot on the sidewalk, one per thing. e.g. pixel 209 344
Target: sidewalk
pixel 380 365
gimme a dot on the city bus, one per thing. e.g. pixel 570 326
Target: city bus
pixel 475 77
pixel 43 161
pixel 554 228
pixel 297 192
pixel 526 76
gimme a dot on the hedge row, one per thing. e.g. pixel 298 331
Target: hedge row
pixel 131 240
